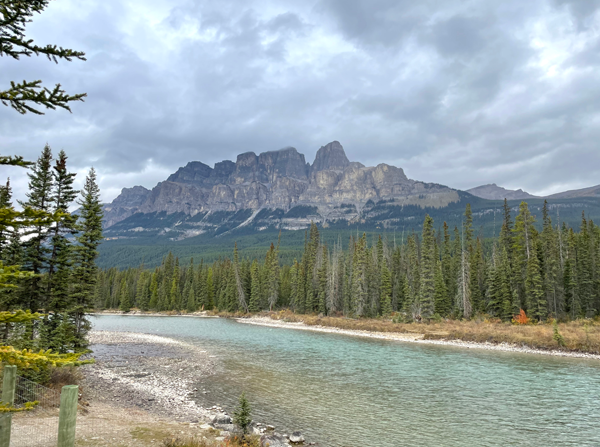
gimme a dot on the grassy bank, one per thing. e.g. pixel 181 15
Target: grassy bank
pixel 578 336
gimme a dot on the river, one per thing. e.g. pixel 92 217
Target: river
pixel 345 391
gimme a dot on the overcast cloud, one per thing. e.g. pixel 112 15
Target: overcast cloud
pixel 456 92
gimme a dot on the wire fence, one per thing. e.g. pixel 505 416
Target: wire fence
pixel 38 427
pixel 99 425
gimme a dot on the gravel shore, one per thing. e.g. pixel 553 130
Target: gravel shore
pixel 150 376
pixel 150 372
pixel 414 338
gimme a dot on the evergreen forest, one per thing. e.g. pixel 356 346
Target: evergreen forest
pixel 449 273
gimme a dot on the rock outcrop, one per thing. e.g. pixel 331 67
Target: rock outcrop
pixel 126 204
pixel 336 187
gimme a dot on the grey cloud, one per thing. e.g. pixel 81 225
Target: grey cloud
pixel 456 92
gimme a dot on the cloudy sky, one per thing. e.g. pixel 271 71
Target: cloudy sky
pixel 458 92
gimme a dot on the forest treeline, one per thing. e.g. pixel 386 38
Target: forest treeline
pixel 48 258
pixel 446 273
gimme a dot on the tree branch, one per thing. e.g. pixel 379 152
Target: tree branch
pixel 20 96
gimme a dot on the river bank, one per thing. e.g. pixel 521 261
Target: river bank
pixel 582 337
pixel 412 338
pixel 148 382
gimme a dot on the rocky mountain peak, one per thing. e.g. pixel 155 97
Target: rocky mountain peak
pixel 193 172
pixel 131 197
pixel 330 158
pixel 286 162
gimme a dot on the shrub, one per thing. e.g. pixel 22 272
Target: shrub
pixel 241 415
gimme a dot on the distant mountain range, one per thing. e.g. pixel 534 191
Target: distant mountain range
pixel 495 192
pixel 252 199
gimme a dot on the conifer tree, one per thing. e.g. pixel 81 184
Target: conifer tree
pixel 428 263
pixel 463 297
pixel 534 292
pixel 359 286
pixel 124 300
pixel 89 238
pixel 39 198
pixel 28 95
pixel 386 289
pixel 323 281
pixel 60 261
pixel 5 231
pixel 443 304
pixel 468 226
pixel 254 305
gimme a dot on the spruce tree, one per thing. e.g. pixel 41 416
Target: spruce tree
pixel 322 277
pixel 28 96
pixel 241 416
pixel 254 305
pixel 443 303
pixel 61 258
pixel 386 290
pixel 39 198
pixel 86 252
pixel 124 299
pixel 534 292
pixel 427 291
pixel 5 231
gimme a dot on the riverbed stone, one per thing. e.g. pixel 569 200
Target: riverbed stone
pixel 297 438
pixel 273 440
pixel 220 419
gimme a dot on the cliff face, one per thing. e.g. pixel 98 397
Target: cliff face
pixel 279 180
pixel 126 204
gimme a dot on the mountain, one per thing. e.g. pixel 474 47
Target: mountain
pixel 593 191
pixel 200 211
pixel 276 188
pixel 495 192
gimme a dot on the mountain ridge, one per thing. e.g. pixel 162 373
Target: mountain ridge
pixel 492 191
pixel 332 187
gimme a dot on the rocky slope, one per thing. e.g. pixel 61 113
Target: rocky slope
pixel 282 182
pixel 593 191
pixel 495 192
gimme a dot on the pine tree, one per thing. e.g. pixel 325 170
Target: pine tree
pixel 427 291
pixel 124 300
pixel 534 292
pixel 323 277
pixel 5 231
pixel 359 286
pixel 255 288
pixel 463 297
pixel 85 271
pixel 468 226
pixel 386 290
pixel 26 96
pixel 241 416
pixel 39 198
pixel 443 304
pixel 60 261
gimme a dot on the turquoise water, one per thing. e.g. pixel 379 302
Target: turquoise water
pixel 347 391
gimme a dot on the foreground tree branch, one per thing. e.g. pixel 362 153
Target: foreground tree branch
pixel 25 96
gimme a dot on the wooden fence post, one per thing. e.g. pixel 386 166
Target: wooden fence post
pixel 8 397
pixel 68 416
